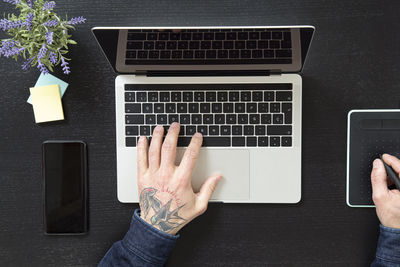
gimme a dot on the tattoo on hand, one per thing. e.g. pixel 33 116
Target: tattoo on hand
pixel 164 218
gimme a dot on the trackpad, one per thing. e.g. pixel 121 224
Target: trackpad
pixel 233 164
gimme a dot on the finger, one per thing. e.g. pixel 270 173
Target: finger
pixel 207 189
pixel 142 155
pixel 190 157
pixel 378 181
pixel 392 161
pixel 155 148
pixel 168 151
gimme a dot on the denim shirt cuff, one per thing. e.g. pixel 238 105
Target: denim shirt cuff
pixel 388 245
pixel 146 241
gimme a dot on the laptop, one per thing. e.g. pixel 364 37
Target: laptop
pixel 239 86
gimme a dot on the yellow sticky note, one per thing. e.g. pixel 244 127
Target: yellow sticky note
pixel 46 101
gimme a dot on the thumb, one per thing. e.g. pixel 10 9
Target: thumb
pixel 208 187
pixel 378 180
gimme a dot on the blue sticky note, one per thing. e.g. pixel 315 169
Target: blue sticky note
pixel 49 79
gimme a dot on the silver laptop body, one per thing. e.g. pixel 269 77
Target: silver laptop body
pixel 254 171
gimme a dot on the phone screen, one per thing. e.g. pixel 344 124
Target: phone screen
pixel 64 171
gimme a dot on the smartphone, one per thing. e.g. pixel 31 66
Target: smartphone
pixel 64 169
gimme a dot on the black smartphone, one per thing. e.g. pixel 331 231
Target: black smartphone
pixel 64 168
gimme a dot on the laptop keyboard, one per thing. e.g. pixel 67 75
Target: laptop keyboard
pixel 236 115
pixel 209 46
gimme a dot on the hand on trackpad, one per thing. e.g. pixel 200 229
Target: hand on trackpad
pixel 235 182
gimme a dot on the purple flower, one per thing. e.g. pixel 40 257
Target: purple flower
pixel 49 37
pixel 28 21
pixel 51 23
pixel 9 48
pixel 64 64
pixel 14 2
pixel 49 5
pixel 53 57
pixel 6 24
pixel 77 20
pixel 42 67
pixel 42 52
pixel 27 64
pixel 30 3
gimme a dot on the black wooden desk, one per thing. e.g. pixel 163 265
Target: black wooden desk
pixel 353 63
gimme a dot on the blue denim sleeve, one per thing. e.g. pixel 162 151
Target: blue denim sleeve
pixel 143 245
pixel 388 249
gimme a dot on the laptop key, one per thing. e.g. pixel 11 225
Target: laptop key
pixel 240 45
pixel 216 107
pixel 162 119
pixel 243 119
pixel 193 108
pixel 132 130
pixel 197 36
pixel 196 119
pixel 170 108
pixel 255 118
pixel 172 45
pixel 219 119
pixel 279 130
pixel 238 141
pixel 208 36
pixel 211 96
pixel 233 53
pixel 182 130
pixel 251 107
pixel 228 107
pixel 130 54
pixel 228 45
pixel 225 130
pixel 141 96
pixel 276 35
pixel 286 44
pixel 152 36
pixel 269 96
pixel 164 97
pixel 222 96
pixel 136 36
pixel 231 35
pixel 148 45
pixel 277 118
pixel 257 54
pixel 283 53
pixel 254 35
pixel 158 108
pixel 265 118
pixel 153 96
pixel 144 130
pixel 287 111
pixel 240 107
pixel 213 130
pixel 245 96
pixel 203 130
pixel 251 44
pixel 134 119
pixel 184 119
pixel 181 108
pixel 260 130
pixel 134 45
pixel 262 44
pixel 160 45
pixel 211 54
pixel 251 141
pixel 248 130
pixel 284 96
pixel 177 54
pixel 129 97
pixel 237 130
pixel 147 108
pixel 173 118
pixel 265 35
pixel 222 53
pixel 274 44
pixel 205 108
pixel 133 108
pixel 286 141
pixel 208 119
pixel 205 45
pixel 263 141
pixel 199 96
pixel 154 54
pixel 275 107
pixel 184 141
pixel 188 54
pixel 243 35
pixel 262 107
pixel 186 36
pixel 231 119
pixel 130 141
pixel 234 96
pixel 176 96
pixel 245 53
pixel 165 54
pixel 269 53
pixel 187 96
pixel 275 141
pixel 217 44
pixel 183 45
pixel 199 54
pixel 190 130
pixel 150 119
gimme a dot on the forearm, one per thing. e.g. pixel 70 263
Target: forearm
pixel 143 245
pixel 388 249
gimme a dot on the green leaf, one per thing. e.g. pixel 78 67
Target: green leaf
pixel 72 42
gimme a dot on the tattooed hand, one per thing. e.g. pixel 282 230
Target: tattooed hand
pixel 167 200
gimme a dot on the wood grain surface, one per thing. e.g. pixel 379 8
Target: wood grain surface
pixel 353 63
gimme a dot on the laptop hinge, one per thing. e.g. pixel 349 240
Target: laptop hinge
pixel 172 73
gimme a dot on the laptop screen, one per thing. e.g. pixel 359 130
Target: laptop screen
pixel 256 48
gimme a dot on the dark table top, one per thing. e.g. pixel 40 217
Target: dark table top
pixel 352 64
